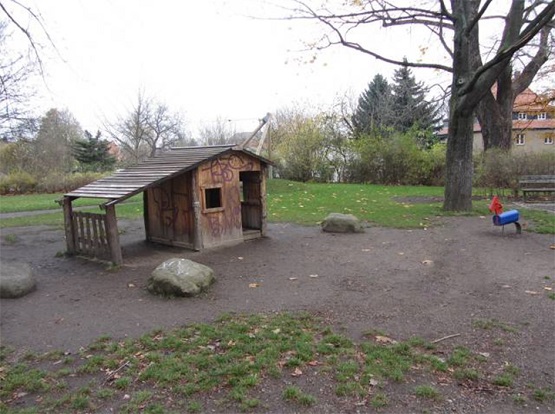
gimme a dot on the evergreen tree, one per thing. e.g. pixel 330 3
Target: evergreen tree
pixel 410 109
pixel 373 113
pixel 93 153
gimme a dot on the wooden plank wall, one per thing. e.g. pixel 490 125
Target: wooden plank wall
pixel 224 225
pixel 90 235
pixel 170 216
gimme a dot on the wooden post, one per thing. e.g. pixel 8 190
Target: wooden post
pixel 197 233
pixel 263 211
pixel 113 235
pixel 145 215
pixel 68 224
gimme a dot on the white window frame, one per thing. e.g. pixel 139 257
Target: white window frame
pixel 542 115
pixel 520 139
pixel 522 116
pixel 548 140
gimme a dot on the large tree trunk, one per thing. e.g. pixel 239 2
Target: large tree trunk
pixel 458 168
pixel 458 174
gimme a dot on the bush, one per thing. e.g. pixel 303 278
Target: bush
pixel 23 182
pixel 63 183
pixel 502 169
pixel 19 182
pixel 396 160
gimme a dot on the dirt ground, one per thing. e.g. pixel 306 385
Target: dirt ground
pixel 430 283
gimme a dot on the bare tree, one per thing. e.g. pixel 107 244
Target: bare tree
pixel 456 28
pixel 165 128
pixel 149 126
pixel 219 132
pixel 17 66
pixel 15 72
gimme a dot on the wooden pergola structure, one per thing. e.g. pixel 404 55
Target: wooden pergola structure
pixel 193 197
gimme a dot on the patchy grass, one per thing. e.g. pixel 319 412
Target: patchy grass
pixel 294 394
pixel 10 238
pixel 427 391
pixel 493 324
pixel 507 377
pixel 542 222
pixel 543 395
pixel 225 365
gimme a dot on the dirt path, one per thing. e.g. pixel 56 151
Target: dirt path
pixel 430 283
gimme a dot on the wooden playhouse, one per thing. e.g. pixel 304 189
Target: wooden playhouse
pixel 194 197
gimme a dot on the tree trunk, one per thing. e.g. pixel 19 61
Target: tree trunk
pixel 458 174
pixel 494 113
pixel 495 123
pixel 459 168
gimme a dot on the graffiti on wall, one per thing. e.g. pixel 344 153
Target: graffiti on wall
pixel 169 205
pixel 220 224
pixel 223 169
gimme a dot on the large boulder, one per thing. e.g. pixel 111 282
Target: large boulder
pixel 16 280
pixel 342 223
pixel 180 277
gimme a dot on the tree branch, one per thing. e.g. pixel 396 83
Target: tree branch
pixel 532 68
pixel 478 17
pixel 27 35
pixel 531 30
pixel 359 48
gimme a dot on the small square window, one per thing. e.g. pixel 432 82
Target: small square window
pixel 212 198
pixel 520 139
pixel 522 115
pixel 548 140
pixel 542 115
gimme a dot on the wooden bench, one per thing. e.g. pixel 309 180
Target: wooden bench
pixel 536 184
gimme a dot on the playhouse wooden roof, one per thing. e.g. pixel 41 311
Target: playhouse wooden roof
pixel 133 180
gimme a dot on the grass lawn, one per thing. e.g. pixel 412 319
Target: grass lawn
pixel 33 202
pixel 301 203
pixel 382 205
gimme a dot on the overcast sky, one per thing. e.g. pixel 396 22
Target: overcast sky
pixel 207 59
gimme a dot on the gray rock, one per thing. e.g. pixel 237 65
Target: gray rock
pixel 180 277
pixel 342 223
pixel 16 280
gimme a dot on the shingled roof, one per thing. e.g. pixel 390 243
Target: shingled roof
pixel 151 172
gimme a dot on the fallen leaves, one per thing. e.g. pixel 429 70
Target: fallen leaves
pixel 427 262
pixel 296 373
pixel 531 292
pixel 385 339
pixel 254 285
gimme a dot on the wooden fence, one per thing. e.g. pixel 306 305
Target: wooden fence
pixel 90 235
